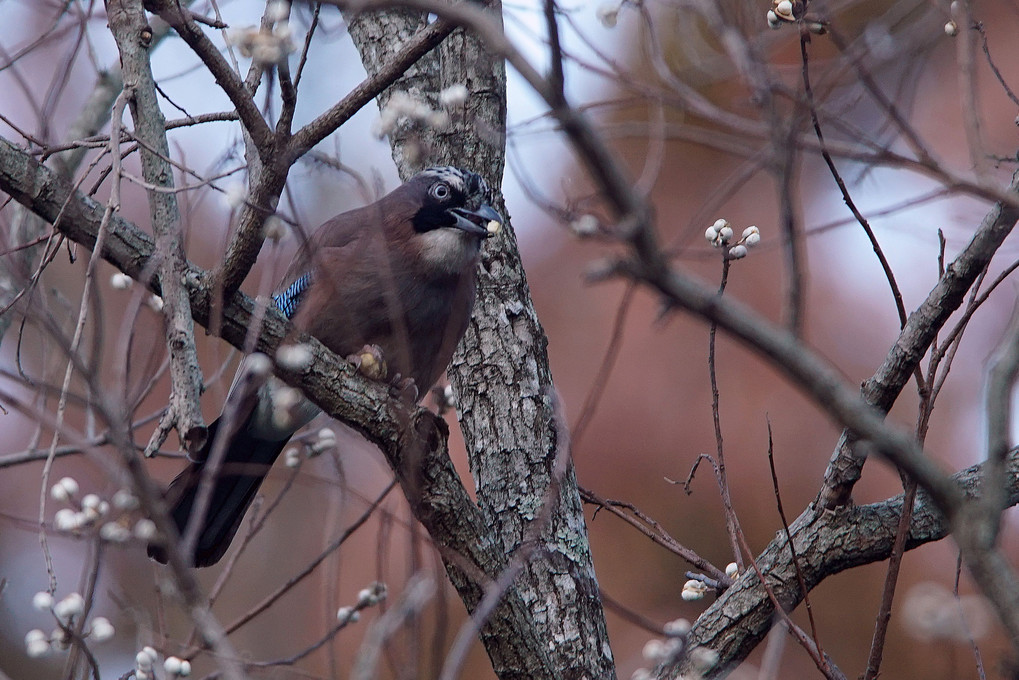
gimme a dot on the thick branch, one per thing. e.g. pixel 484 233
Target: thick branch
pixel 179 18
pixel 518 453
pixel 827 542
pixel 381 78
pixel 922 326
pixel 414 442
pixel 133 36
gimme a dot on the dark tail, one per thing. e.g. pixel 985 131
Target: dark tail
pixel 245 465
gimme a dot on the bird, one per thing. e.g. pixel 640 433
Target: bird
pixel 391 282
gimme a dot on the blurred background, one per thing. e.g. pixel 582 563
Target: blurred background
pixel 654 415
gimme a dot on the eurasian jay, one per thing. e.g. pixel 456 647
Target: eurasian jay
pixel 397 275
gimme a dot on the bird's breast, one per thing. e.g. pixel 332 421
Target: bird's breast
pixel 415 314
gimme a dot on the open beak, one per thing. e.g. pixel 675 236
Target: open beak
pixel 483 222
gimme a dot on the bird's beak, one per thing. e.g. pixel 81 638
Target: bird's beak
pixel 483 222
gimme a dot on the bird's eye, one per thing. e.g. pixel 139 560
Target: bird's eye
pixel 440 191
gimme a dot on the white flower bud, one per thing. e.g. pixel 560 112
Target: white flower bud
pixel 65 520
pixel 142 661
pixel 101 629
pixel 294 357
pixel 234 195
pixel 120 281
pixel 283 32
pixel 951 29
pixel 153 654
pixel 703 659
pixel 36 643
pixel 366 597
pixel 677 628
pixel 327 435
pixel 725 234
pixel 292 457
pixel 641 674
pixel 773 20
pixel 114 532
pixel 172 665
pixel 258 364
pixel 585 225
pixel 284 400
pixel 454 95
pixel 737 252
pixel 69 486
pixel 185 668
pixel 275 229
pixel 710 234
pixel 654 650
pixel 155 303
pixel 784 9
pixel 731 570
pixel 35 634
pixel 124 500
pixel 346 615
pixel 91 502
pixel 264 51
pixel 69 607
pixel 693 590
pixel 59 493
pixel 145 529
pixel 721 223
pixel 42 601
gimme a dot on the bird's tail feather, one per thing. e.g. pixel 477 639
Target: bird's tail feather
pixel 246 462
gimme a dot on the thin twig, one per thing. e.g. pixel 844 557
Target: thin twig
pixel 792 548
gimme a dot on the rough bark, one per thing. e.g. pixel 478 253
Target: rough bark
pixel 884 387
pixel 827 542
pixel 413 442
pixel 134 37
pixel 506 402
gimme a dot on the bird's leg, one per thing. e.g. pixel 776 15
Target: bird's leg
pixel 369 362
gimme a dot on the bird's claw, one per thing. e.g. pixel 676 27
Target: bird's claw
pixel 370 362
pixel 403 389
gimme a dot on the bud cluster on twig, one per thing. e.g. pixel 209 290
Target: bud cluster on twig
pixel 666 652
pixel 367 597
pixel 145 665
pixel 266 46
pixel 115 518
pixel 720 235
pixel 310 446
pixel 791 11
pixel 67 613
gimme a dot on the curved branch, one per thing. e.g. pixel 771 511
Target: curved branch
pixel 826 543
pixel 413 440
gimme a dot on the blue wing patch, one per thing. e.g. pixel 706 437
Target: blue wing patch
pixel 290 299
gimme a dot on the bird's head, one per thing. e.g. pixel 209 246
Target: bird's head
pixel 452 215
pixel 454 198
